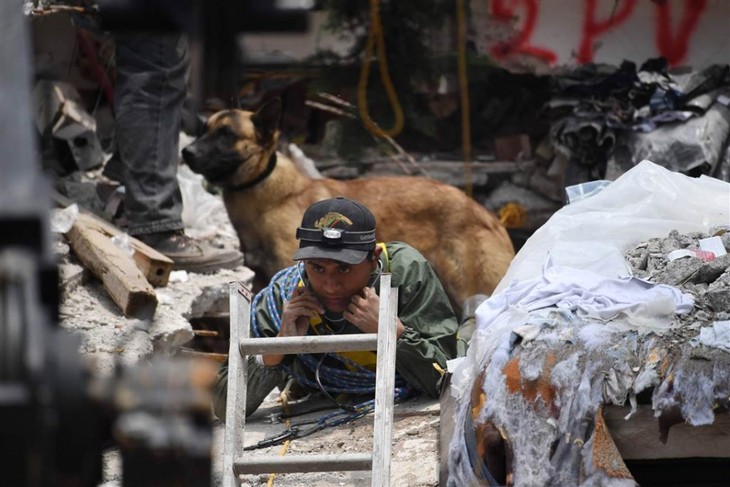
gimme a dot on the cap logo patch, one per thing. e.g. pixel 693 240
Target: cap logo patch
pixel 331 219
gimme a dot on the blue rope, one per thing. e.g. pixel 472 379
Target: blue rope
pixel 334 379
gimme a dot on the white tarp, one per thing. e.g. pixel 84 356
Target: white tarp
pixel 647 201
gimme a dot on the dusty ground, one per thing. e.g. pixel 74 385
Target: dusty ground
pixel 414 448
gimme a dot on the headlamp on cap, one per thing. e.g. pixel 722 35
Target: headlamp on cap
pixel 331 233
pixel 336 237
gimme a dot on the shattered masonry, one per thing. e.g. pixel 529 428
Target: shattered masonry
pixel 546 373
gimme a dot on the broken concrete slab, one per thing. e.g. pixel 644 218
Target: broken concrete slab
pixel 169 331
pixel 212 300
pixel 719 299
pixel 679 271
pixel 60 113
pixel 711 271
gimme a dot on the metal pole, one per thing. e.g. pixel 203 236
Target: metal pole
pixel 310 344
pixel 384 384
pixel 240 306
pixel 304 463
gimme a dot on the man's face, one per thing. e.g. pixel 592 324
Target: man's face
pixel 335 283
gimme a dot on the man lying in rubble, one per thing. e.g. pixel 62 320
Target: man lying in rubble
pixel 333 289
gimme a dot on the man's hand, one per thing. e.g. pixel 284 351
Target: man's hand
pixel 363 312
pixel 296 312
pixel 295 316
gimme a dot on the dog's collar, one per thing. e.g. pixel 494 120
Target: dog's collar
pixel 249 184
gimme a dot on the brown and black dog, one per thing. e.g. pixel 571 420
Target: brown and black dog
pixel 265 195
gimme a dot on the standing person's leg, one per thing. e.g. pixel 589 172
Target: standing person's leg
pixel 149 95
pixel 150 90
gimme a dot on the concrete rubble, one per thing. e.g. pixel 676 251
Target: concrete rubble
pixel 573 341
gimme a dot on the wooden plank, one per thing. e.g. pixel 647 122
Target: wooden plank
pixel 384 383
pixel 638 437
pixel 121 278
pixel 155 266
pixel 303 463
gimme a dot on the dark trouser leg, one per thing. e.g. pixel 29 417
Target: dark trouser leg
pixel 149 94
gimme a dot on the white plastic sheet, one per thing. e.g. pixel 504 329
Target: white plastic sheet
pixel 199 206
pixel 647 201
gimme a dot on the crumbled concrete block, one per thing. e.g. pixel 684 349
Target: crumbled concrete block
pixel 679 271
pixel 719 299
pixel 70 276
pixel 710 271
pixel 169 330
pixel 212 300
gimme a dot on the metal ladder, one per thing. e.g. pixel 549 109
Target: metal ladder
pixel 241 345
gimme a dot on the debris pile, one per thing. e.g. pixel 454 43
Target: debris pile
pixel 571 348
pixel 553 349
pixel 707 281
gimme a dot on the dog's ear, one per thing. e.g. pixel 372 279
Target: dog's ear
pixel 266 119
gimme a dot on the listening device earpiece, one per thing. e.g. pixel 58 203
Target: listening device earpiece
pixel 302 275
pixel 376 275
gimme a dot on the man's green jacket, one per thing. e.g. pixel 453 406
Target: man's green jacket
pixel 423 307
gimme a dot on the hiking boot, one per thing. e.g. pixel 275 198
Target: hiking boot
pixel 192 255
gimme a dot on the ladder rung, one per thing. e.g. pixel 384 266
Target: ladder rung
pixel 309 344
pixel 303 463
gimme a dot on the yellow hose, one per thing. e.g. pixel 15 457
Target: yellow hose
pixel 284 397
pixel 376 35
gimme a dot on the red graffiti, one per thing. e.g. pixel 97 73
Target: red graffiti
pixel 675 50
pixel 504 10
pixel 673 46
pixel 593 28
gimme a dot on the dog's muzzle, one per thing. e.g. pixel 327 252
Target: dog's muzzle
pixel 190 156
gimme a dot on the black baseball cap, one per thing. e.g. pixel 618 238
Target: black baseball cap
pixel 339 229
